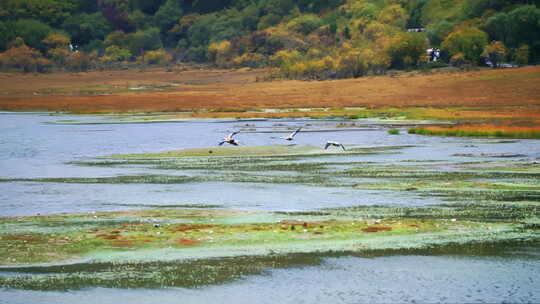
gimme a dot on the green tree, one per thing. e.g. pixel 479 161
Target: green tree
pixel 316 6
pixel 51 12
pixel 117 38
pixel 414 9
pixel 305 24
pixel 168 15
pixel 499 28
pixel 6 35
pixel 32 31
pixel 117 54
pixel 147 7
pixel 141 20
pixel 524 22
pixel 470 41
pixel 147 40
pixel 279 7
pixel 84 28
pixel 522 54
pixel 436 32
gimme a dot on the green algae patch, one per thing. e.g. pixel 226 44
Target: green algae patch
pixel 175 234
pixel 276 150
pixel 211 271
pixel 255 151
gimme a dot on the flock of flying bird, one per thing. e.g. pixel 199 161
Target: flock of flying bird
pixel 230 140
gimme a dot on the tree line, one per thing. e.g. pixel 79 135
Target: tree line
pixel 307 39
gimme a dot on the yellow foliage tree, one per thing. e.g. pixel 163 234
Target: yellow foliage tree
pixel 57 47
pixel 394 15
pixel 220 53
pixel 496 51
pixel 155 57
pixel 251 60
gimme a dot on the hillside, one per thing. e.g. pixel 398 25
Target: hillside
pixel 305 39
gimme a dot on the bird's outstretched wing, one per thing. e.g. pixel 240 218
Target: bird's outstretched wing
pixel 233 134
pixel 294 133
pixel 328 144
pixel 221 143
pixel 234 143
pixel 342 146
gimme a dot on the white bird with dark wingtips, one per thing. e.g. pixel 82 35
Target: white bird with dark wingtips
pixel 333 143
pixel 229 139
pixel 291 136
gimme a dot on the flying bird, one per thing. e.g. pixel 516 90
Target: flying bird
pixel 291 136
pixel 229 139
pixel 335 144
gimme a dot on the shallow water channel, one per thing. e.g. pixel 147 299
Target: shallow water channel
pixel 33 146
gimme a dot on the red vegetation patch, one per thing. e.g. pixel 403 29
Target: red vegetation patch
pixel 108 236
pixel 20 237
pixel 186 242
pixel 181 228
pixel 377 228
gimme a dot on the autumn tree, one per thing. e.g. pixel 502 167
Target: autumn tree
pixel 57 46
pixel 81 61
pixel 469 41
pixel 408 50
pixel 220 53
pixel 495 52
pixel 393 15
pixel 23 57
pixel 155 57
pixel 116 53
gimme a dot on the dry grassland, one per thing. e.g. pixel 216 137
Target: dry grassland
pixel 501 94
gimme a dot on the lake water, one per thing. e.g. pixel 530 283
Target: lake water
pixel 390 279
pixel 30 147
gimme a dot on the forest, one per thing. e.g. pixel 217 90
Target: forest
pixel 302 39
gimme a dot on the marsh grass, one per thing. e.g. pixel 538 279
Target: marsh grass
pixel 465 133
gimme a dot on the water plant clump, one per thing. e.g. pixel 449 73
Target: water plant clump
pixel 121 235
